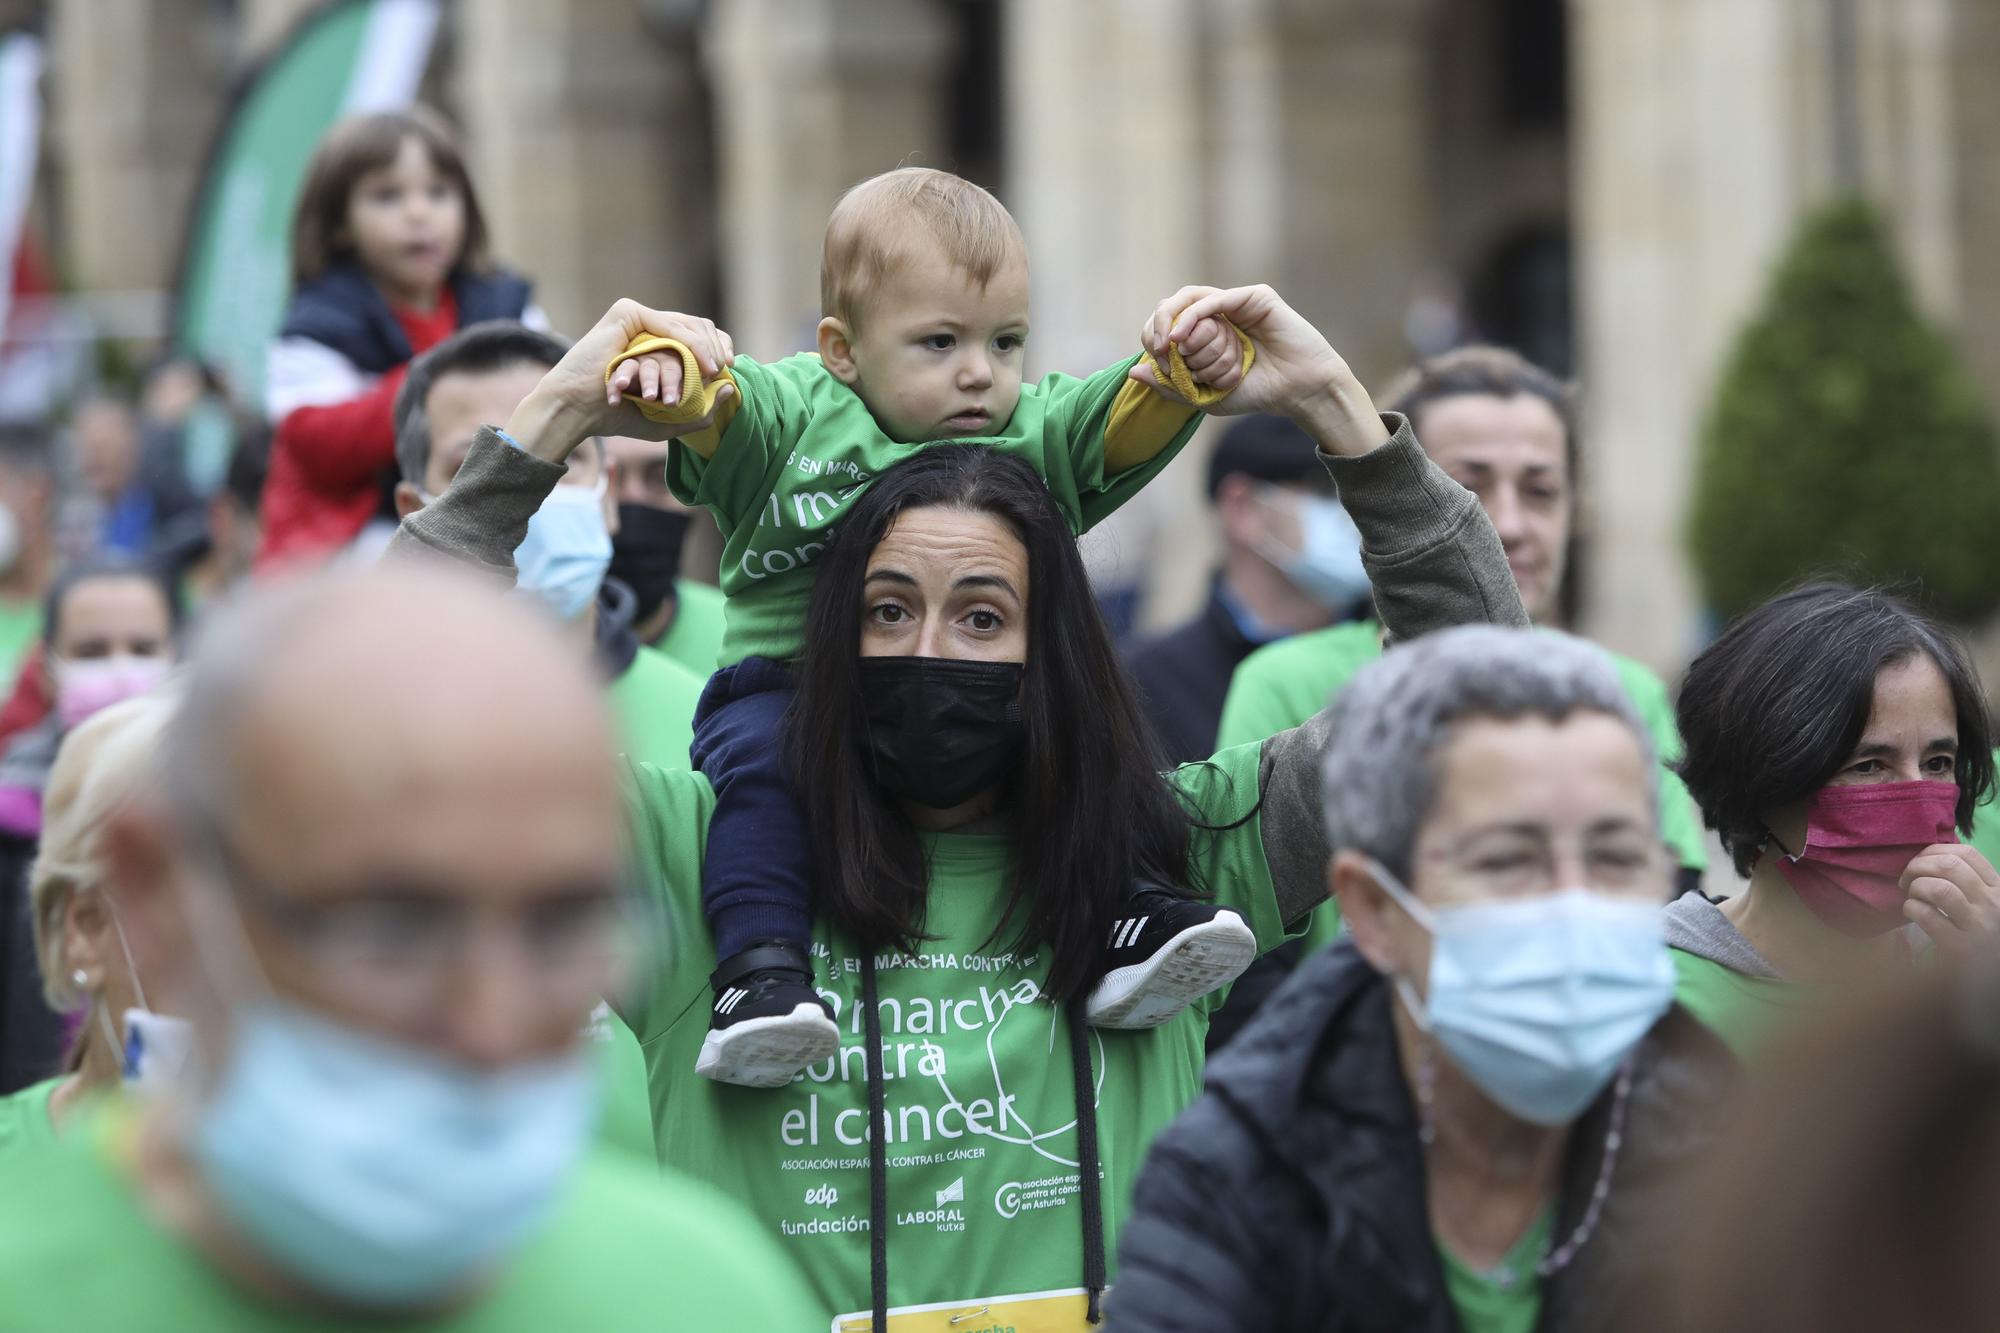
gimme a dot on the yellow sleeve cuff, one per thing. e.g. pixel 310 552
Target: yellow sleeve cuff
pixel 697 395
pixel 1175 373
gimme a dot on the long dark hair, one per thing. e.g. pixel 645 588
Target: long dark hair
pixel 1093 812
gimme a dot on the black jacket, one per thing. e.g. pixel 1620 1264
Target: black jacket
pixel 1291 1195
pixel 30 1035
pixel 342 309
pixel 1184 676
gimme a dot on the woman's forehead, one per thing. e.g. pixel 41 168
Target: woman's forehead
pixel 942 545
pixel 1521 771
pixel 1912 704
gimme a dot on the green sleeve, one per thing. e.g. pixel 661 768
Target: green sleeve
pixel 1226 845
pixel 1680 823
pixel 1075 413
pixel 774 411
pixel 666 817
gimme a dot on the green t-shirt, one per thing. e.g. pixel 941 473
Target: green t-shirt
pixel 802 445
pixel 980 1105
pixel 1742 1010
pixel 1506 1298
pixel 695 638
pixel 653 700
pixel 26 1131
pixel 625 1250
pixel 20 627
pixel 1985 834
pixel 1281 685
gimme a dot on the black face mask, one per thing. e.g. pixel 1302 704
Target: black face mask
pixel 646 553
pixel 939 730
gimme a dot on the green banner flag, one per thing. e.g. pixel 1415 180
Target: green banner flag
pixel 345 58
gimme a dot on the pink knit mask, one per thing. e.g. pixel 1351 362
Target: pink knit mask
pixel 1859 840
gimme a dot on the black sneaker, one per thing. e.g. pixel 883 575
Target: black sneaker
pixel 768 1023
pixel 1164 953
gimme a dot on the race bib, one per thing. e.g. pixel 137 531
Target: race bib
pixel 1037 1312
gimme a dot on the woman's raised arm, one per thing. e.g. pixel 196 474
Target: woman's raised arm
pixel 1430 551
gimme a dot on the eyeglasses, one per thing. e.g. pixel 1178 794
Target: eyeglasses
pixel 1520 863
pixel 399 947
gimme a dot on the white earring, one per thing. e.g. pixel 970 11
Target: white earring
pixel 80 977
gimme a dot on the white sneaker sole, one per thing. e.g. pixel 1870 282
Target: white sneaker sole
pixel 1185 968
pixel 768 1052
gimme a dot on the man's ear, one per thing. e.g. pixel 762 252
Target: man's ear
pixel 1364 908
pixel 836 349
pixel 408 500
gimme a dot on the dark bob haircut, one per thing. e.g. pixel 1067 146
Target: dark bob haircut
pixel 1092 810
pixel 1773 708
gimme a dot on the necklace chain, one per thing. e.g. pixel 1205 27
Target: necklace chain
pixel 1554 1261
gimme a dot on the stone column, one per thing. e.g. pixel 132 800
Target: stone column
pixel 1971 93
pixel 1685 179
pixel 134 91
pixel 1704 132
pixel 587 134
pixel 261 24
pixel 1108 161
pixel 810 98
pixel 1279 141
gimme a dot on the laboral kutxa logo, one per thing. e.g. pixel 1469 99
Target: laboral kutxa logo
pixel 945 1217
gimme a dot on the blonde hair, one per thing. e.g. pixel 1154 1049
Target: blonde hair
pixel 873 225
pixel 102 764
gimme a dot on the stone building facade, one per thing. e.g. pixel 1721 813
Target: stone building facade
pixel 1604 182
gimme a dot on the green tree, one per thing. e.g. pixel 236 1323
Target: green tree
pixel 1846 437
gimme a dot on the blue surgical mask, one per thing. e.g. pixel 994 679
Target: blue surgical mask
pixel 1327 564
pixel 567 551
pixel 378 1173
pixel 1539 1000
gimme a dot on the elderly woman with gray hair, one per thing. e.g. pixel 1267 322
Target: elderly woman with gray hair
pixel 1464 1115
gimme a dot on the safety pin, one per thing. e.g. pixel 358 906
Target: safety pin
pixel 970 1314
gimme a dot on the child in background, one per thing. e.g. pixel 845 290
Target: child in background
pixel 924 288
pixel 388 259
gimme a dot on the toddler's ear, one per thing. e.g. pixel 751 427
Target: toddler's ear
pixel 836 350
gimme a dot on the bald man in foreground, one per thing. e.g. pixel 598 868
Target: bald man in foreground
pixel 388 895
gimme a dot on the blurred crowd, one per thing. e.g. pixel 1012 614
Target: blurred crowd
pixel 440 892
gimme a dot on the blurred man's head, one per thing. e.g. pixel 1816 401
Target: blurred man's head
pixel 104 439
pixel 27 499
pixel 1275 505
pixel 385 887
pixel 477 377
pixel 235 523
pixel 651 531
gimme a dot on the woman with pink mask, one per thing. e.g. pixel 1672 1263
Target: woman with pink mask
pixel 1838 742
pixel 109 630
